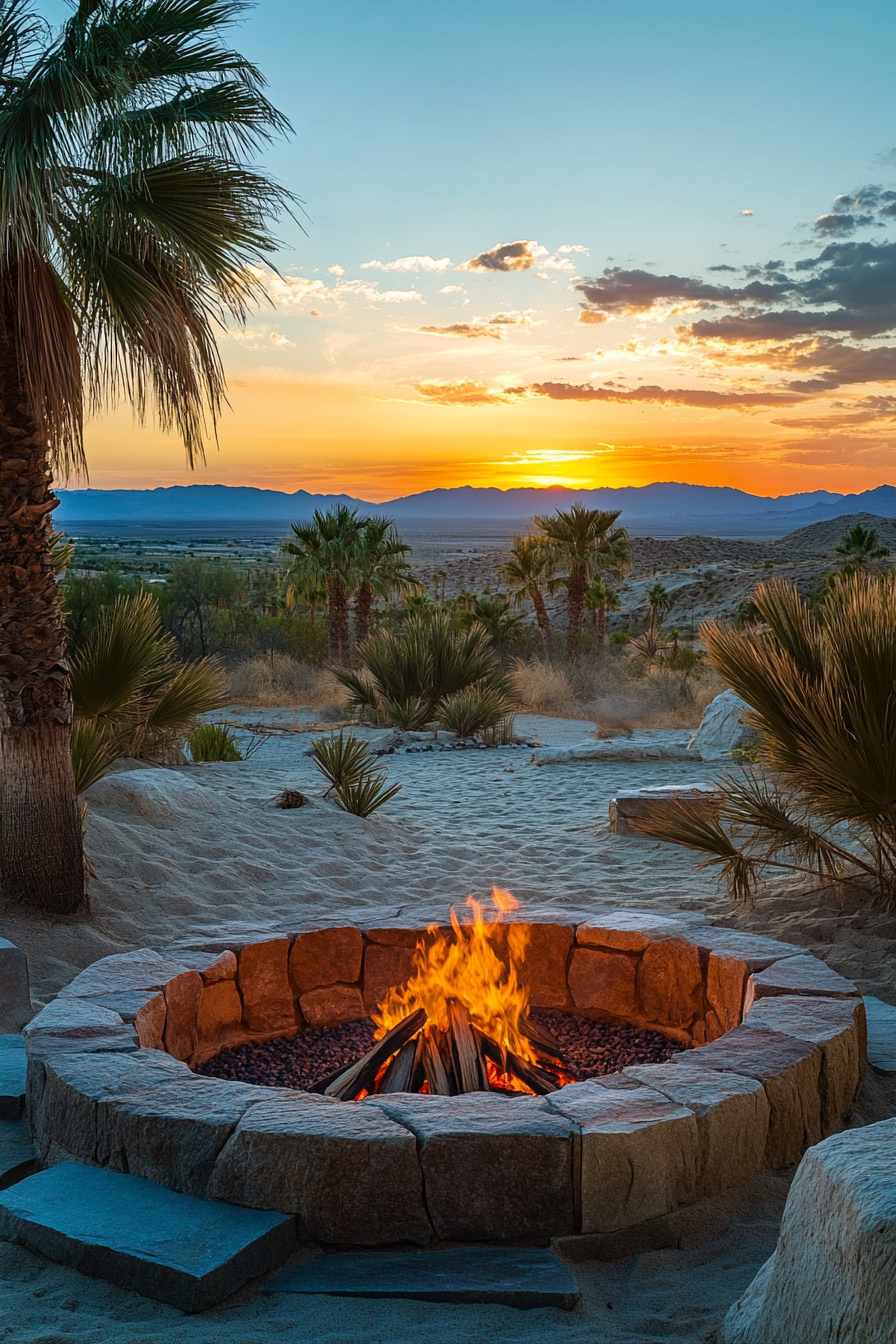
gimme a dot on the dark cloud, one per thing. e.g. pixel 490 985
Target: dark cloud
pixel 626 293
pixel 666 396
pixel 721 268
pixel 853 211
pixel 518 256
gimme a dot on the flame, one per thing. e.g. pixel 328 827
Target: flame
pixel 468 969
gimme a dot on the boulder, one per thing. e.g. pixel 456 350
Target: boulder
pixel 732 1120
pixel 13 1070
pixel 881 1019
pixel 325 957
pixel 268 1005
pixel 182 998
pixel 494 1168
pixel 833 1273
pixel 15 995
pixel 75 1025
pixel 639 1153
pixel 837 1027
pixel 670 983
pixel 788 1070
pixel 722 729
pixel 349 1172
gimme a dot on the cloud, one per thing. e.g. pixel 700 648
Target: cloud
pixel 518 256
pixel 372 292
pixel 592 317
pixel 494 328
pixel 258 340
pixel 745 212
pixel 452 289
pixel 574 247
pixel 336 270
pixel 461 392
pixel 855 210
pixel 409 264
pixel 707 399
pixel 281 342
pixel 293 291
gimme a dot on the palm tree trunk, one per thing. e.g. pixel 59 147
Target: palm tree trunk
pixel 41 849
pixel 363 606
pixel 576 585
pixel 601 614
pixel 542 618
pixel 337 621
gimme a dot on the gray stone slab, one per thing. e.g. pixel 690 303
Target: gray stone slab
pixel 881 1034
pixel 802 975
pixel 18 1158
pixel 13 1068
pixel 190 1253
pixel 15 995
pixel 508 1277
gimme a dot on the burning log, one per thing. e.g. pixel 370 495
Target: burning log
pixel 361 1076
pixel 538 1079
pixel 470 1064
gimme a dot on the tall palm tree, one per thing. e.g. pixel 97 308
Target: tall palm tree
pixel 583 542
pixel 380 569
pixel 858 547
pixel 128 222
pixel 326 551
pixel 527 571
pixel 599 599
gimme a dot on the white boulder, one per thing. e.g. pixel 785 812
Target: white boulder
pixel 833 1274
pixel 721 728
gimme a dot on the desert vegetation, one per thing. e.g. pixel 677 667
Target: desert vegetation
pixel 821 800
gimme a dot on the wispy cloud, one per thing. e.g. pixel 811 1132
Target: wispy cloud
pixel 452 289
pixel 461 392
pixel 259 339
pixel 519 256
pixel 409 264
pixel 705 398
pixel 494 328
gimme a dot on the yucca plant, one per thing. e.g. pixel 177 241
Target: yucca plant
pixel 473 711
pixel 132 695
pixel 360 787
pixel 822 690
pixel 408 673
pixel 364 795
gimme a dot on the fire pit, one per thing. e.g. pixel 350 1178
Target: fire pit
pixel 459 1118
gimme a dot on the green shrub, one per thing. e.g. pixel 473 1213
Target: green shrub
pixel 214 742
pixel 473 711
pixel 360 787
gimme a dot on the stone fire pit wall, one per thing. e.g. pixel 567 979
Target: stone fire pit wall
pixel 773 1049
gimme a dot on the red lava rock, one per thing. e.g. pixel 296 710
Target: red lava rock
pixel 590 1050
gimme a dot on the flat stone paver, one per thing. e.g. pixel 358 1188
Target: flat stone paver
pixel 881 1034
pixel 18 1157
pixel 508 1277
pixel 190 1253
pixel 13 1067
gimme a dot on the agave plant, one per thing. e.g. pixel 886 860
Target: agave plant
pixel 132 696
pixel 347 763
pixel 820 684
pixel 409 673
pixel 473 711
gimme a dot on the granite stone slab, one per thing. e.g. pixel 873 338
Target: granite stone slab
pixel 881 1034
pixel 18 1158
pixel 190 1253
pixel 499 1276
pixel 15 995
pixel 13 1068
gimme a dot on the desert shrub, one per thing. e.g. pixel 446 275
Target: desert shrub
pixel 279 680
pixel 475 710
pixel 359 785
pixel 408 673
pixel 214 742
pixel 540 687
pixel 822 800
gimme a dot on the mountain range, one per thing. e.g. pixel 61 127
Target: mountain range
pixel 670 507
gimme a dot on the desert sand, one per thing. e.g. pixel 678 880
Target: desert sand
pixel 213 850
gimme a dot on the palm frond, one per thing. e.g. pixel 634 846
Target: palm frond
pixel 93 749
pixel 127 650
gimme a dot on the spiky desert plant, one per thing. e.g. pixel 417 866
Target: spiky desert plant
pixel 409 672
pixel 359 785
pixel 132 695
pixel 528 572
pixel 366 794
pixel 583 542
pixel 821 689
pixel 130 225
pixel 475 710
pixel 214 742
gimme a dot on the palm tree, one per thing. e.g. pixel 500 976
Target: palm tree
pixel 583 542
pixel 660 600
pixel 495 616
pixel 599 599
pixel 326 552
pixel 380 569
pixel 129 220
pixel 529 568
pixel 858 547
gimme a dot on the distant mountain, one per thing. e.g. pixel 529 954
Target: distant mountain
pixel 673 507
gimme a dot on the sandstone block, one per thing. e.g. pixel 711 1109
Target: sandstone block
pixel 220 1012
pixel 224 967
pixel 265 988
pixel 788 1070
pixel 628 931
pixel 639 1153
pixel 670 983
pixel 543 971
pixel 325 957
pixel 348 1172
pixel 182 996
pixel 331 1005
pixel 604 981
pixel 384 968
pixel 732 1120
pixel 802 975
pixel 836 1026
pixel 15 994
pixel 172 1131
pixel 124 971
pixel 833 1274
pixel 394 937
pixel 726 979
pixel 150 1023
pixel 494 1168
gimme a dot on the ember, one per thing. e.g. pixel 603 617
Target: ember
pixel 461 1023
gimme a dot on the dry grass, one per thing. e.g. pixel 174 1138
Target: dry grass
pixel 282 682
pixel 614 694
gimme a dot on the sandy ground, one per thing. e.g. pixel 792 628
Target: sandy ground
pixel 462 822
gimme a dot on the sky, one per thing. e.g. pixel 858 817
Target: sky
pixel 589 244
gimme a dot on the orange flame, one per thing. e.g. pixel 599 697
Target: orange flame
pixel 468 969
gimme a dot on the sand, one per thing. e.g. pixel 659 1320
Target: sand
pixel 463 821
